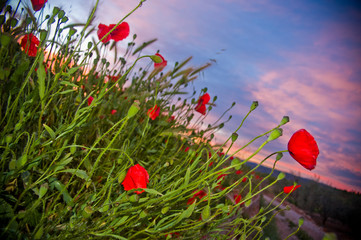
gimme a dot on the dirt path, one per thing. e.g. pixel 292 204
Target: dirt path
pixel 285 218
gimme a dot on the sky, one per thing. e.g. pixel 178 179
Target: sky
pixel 300 59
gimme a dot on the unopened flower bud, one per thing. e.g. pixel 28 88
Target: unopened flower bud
pixel 284 120
pixel 300 221
pixel 133 110
pixel 276 133
pixel 279 156
pixel 234 137
pixel 281 176
pixel 254 105
pixel 156 59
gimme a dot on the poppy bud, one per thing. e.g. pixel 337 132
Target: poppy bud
pixel 280 176
pixel 133 110
pixel 276 133
pixel 284 120
pixel 156 59
pixel 254 105
pixel 300 221
pixel 279 156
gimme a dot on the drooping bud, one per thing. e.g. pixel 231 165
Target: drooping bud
pixel 156 59
pixel 279 156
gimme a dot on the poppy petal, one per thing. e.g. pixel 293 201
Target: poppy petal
pixel 303 148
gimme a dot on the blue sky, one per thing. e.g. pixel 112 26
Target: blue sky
pixel 297 58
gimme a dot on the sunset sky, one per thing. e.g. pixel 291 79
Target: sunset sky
pixel 296 58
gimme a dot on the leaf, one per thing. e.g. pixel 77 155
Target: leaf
pixel 67 91
pixel 49 130
pixel 66 160
pixel 236 164
pixel 152 191
pixel 77 172
pixel 68 83
pixel 72 70
pixel 39 233
pixel 164 210
pixel 249 201
pixel 200 69
pixel 21 161
pixel 174 93
pixel 120 221
pixel 330 236
pixel 43 189
pixel 145 44
pixel 109 235
pixel 54 183
pixel 182 64
pixel 12 165
pixel 206 213
pixel 188 212
pixel 41 78
pixel 186 179
pixel 105 206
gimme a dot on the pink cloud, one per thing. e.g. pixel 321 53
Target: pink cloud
pixel 319 94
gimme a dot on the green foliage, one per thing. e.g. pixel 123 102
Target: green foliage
pixel 65 152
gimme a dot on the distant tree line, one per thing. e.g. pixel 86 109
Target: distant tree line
pixel 328 202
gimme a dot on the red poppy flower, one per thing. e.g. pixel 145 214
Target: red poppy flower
pixel 220 154
pixel 210 164
pixel 113 78
pixel 113 111
pixel 153 112
pixel 290 189
pixel 137 177
pixel 30 44
pixel 102 31
pixel 200 194
pixel 244 179
pixel 238 172
pixel 38 4
pixel 171 119
pixel 202 101
pixel 237 198
pixel 175 234
pixel 221 176
pixel 187 149
pixel 220 187
pixel 45 67
pixel 90 100
pixel 162 64
pixel 303 148
pixel 120 33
